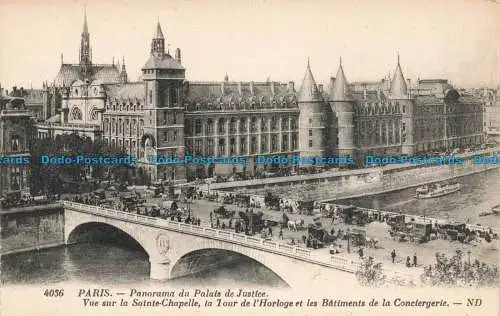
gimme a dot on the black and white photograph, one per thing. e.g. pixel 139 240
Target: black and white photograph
pixel 250 157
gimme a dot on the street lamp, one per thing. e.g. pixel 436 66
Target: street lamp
pixel 468 254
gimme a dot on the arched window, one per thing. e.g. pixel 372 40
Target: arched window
pixel 253 125
pixel 198 127
pixel 243 146
pixel 274 143
pixel 263 125
pixel 222 126
pixel 232 126
pixel 76 114
pixel 210 127
pixel 232 146
pixel 222 147
pixel 274 124
pixel 263 144
pixel 243 125
pixel 284 143
pixel 253 145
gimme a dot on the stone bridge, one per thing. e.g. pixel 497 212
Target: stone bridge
pixel 175 248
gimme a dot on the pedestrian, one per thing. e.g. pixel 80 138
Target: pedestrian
pixel 360 252
pixel 270 230
pixel 393 255
pixel 415 260
pixel 218 223
pixel 408 261
pixel 281 234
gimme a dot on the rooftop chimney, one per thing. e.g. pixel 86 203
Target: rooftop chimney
pixel 320 88
pixel 178 54
pixel 251 88
pixel 240 91
pixel 272 88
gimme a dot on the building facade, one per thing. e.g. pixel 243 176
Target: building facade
pixel 16 135
pixel 166 115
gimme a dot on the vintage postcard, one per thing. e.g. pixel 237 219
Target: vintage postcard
pixel 212 157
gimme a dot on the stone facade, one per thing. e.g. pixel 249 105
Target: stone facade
pixel 16 134
pixel 166 115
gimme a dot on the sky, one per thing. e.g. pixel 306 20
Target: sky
pixel 254 40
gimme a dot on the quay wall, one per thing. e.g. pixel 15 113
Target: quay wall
pixel 330 186
pixel 30 228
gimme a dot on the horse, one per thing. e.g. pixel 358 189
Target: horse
pixel 296 224
pixel 372 242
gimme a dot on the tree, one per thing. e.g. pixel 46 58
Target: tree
pixel 271 200
pixel 455 271
pixel 371 274
pixel 49 178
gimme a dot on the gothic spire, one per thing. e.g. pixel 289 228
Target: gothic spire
pixel 123 73
pixel 85 50
pixel 399 90
pixel 340 90
pixel 309 90
pixel 158 42
pixel 159 33
pixel 85 27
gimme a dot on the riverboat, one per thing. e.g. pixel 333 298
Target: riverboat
pixel 437 190
pixel 495 210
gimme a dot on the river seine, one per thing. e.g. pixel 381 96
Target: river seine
pixel 118 264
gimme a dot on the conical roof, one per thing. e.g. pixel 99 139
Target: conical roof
pixel 399 90
pixel 309 90
pixel 159 33
pixel 340 90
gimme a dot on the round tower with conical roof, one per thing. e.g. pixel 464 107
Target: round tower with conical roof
pixel 343 107
pixel 400 97
pixel 312 119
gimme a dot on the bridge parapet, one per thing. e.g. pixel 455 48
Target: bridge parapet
pixel 291 251
pixel 251 241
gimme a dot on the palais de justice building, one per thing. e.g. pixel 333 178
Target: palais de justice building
pixel 166 115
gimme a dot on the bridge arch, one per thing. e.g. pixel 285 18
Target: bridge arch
pixel 77 228
pixel 207 259
pixel 94 231
pixel 285 268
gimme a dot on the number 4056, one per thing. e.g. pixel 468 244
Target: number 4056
pixel 53 292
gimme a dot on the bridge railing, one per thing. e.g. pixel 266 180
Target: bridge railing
pixel 252 241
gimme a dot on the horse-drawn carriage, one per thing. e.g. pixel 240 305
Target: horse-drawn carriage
pixel 292 224
pixel 149 209
pixel 242 200
pixel 318 237
pixel 228 199
pixel 357 237
pixel 253 222
pixel 223 212
pixel 306 207
pixel 355 216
